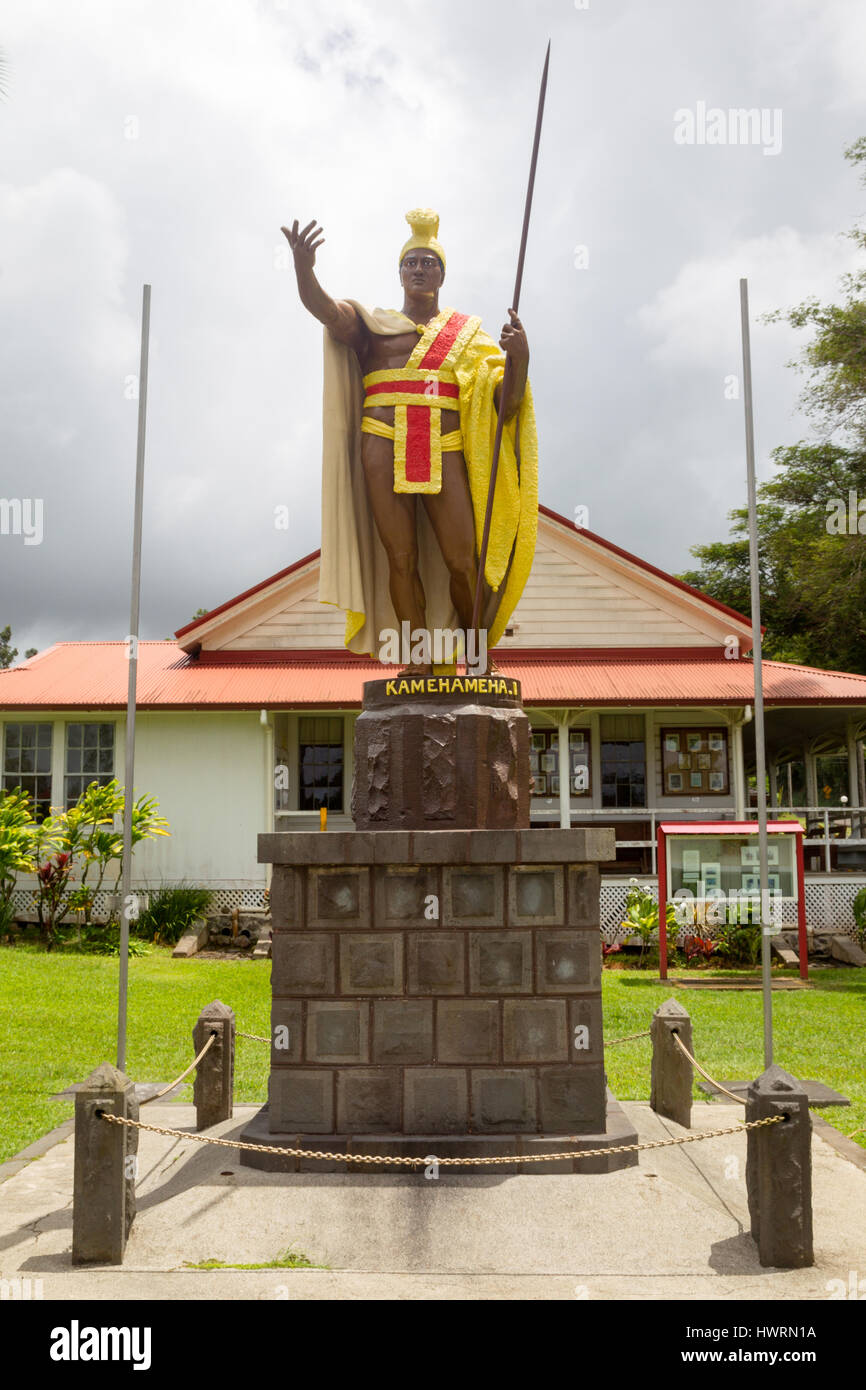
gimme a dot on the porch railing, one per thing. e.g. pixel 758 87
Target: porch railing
pixel 835 823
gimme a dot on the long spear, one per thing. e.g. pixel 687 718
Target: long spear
pixel 506 380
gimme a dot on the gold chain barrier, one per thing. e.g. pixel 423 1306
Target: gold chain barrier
pixel 256 1037
pixel 705 1074
pixel 431 1158
pixel 164 1092
pixel 629 1037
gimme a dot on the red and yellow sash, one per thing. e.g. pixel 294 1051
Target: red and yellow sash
pixel 418 392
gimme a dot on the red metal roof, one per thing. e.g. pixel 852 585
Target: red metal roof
pixel 93 675
pixel 730 827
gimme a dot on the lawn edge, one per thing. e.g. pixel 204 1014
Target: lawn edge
pixel 37 1149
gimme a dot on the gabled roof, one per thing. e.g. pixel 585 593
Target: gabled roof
pixel 217 667
pixel 642 564
pixel 582 590
pixel 212 613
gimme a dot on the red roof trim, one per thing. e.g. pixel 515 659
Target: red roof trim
pixel 644 565
pixel 729 827
pixel 331 656
pixel 248 593
pixel 287 656
pixel 584 655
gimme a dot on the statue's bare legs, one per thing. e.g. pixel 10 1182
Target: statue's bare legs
pixel 451 516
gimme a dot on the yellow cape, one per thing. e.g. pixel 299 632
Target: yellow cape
pixel 354 567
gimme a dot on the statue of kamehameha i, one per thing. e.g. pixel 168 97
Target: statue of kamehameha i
pixel 410 408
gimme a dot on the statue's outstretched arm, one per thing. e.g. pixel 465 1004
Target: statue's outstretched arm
pixel 340 318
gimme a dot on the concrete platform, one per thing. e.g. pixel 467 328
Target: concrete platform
pixel 674 1227
pixel 619 1130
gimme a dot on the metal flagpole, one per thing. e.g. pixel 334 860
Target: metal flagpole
pixel 126 910
pixel 760 756
pixel 506 380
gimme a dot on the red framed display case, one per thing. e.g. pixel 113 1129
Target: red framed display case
pixel 707 856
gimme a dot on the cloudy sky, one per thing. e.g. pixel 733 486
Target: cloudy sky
pixel 167 140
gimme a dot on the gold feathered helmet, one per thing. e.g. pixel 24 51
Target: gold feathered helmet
pixel 425 225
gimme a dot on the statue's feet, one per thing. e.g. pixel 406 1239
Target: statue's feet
pixel 416 671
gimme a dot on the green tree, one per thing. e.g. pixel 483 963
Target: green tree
pixel 8 653
pixel 812 515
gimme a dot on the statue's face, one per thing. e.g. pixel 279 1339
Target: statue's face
pixel 421 271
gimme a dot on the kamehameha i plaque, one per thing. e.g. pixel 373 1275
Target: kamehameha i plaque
pixel 436 973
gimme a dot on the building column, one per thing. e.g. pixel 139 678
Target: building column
pixel 853 781
pixel 268 751
pixel 811 775
pixel 739 768
pixel 562 718
pixel 774 784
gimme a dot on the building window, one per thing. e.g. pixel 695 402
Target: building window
pixel 27 763
pixel 89 758
pixel 320 763
pixel 695 762
pixel 544 762
pixel 623 760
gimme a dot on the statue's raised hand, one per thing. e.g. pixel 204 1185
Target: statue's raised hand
pixel 304 244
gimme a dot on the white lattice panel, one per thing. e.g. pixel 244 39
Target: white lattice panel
pixel 613 894
pixel 244 899
pixel 828 905
pixel 224 900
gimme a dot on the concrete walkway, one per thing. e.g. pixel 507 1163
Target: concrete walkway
pixel 676 1227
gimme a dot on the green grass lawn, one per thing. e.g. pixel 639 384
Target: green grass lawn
pixel 59 1016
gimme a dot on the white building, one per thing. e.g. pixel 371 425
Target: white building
pixel 639 683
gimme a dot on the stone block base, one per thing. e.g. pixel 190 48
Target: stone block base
pixel 618 1130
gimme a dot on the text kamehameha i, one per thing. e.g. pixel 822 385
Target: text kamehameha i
pixel 452 685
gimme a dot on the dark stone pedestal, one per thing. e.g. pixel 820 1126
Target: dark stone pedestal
pixel 441 753
pixel 437 991
pixel 618 1129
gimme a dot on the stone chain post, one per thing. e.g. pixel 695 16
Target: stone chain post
pixel 779 1171
pixel 213 1091
pixel 672 1073
pixel 106 1160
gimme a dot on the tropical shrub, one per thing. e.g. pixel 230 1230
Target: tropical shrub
pixel 16 847
pixel 740 944
pixel 698 948
pixel 642 920
pixel 171 910
pixel 858 907
pixel 79 841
